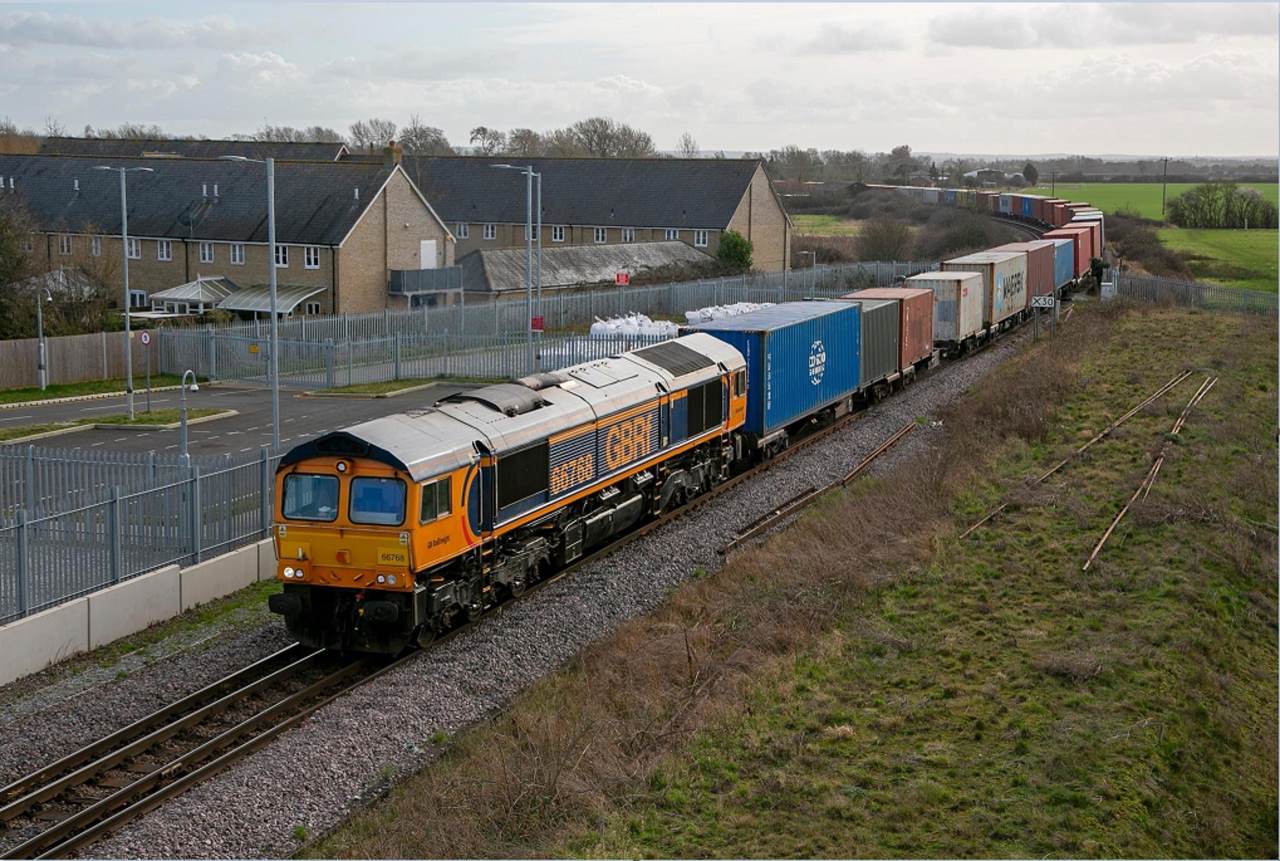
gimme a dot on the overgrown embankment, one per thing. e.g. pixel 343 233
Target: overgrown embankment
pixel 865 684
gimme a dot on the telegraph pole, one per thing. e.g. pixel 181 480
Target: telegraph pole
pixel 1164 185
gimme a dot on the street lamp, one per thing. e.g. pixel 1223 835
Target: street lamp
pixel 274 363
pixel 529 174
pixel 41 358
pixel 124 244
pixel 182 412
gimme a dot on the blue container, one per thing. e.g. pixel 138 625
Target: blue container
pixel 1064 261
pixel 949 197
pixel 1027 210
pixel 801 357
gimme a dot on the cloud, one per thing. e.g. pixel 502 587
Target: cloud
pixel 851 40
pixel 267 67
pixel 31 28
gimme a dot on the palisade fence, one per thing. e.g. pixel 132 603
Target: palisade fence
pixel 479 340
pixel 154 514
pixel 1195 295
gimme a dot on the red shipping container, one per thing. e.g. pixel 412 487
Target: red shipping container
pixel 1061 215
pixel 1083 237
pixel 1040 254
pixel 915 305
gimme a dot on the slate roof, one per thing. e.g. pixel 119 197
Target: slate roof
pixel 598 192
pixel 315 201
pixel 100 147
pixel 503 269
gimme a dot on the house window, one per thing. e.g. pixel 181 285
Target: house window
pixel 673 233
pixel 206 252
pixel 491 231
pixel 628 234
pixel 64 243
pixel 700 238
pixel 237 253
pixel 95 246
pixel 531 232
pixel 312 308
pixel 311 257
pixel 282 256
pixel 164 249
pixel 138 298
pixel 602 234
pixel 461 230
pixel 135 249
pixel 557 233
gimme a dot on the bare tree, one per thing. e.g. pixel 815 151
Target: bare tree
pixel 418 138
pixel 526 143
pixel 563 143
pixel 687 147
pixel 372 133
pixel 53 128
pixel 488 141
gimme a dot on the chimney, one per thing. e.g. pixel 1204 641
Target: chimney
pixel 204 189
pixel 215 191
pixel 77 184
pixel 392 154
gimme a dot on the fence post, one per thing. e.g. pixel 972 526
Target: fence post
pixel 211 345
pixel 350 360
pixel 113 526
pixel 329 348
pixel 24 566
pixel 194 514
pixel 29 480
pixel 152 469
pixel 264 491
pixel 397 355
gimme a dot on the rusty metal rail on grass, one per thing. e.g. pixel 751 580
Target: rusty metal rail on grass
pixel 1144 487
pixel 1102 434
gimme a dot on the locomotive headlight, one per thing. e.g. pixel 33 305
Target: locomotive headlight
pixel 391 579
pixel 382 579
pixel 288 572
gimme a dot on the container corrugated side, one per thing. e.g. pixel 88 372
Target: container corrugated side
pixel 1064 260
pixel 915 319
pixel 879 349
pixel 1028 206
pixel 801 356
pixel 957 303
pixel 1006 204
pixel 930 195
pixel 1040 261
pixel 1004 277
pixel 1082 237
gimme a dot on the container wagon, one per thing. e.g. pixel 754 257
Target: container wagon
pixel 1004 284
pixel 957 309
pixel 915 324
pixel 1040 263
pixel 803 362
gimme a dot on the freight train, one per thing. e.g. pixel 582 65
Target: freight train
pixel 392 532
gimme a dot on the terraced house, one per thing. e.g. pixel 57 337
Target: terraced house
pixel 343 229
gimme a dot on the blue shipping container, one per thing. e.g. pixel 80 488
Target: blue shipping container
pixel 949 197
pixel 1027 203
pixel 801 357
pixel 1064 261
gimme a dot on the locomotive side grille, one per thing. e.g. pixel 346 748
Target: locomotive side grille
pixel 676 358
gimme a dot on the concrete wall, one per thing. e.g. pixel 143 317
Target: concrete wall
pixel 33 643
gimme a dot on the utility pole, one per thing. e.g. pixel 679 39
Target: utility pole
pixel 1053 184
pixel 1164 185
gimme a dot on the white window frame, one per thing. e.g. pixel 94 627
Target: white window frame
pixel 699 239
pixel 462 230
pixel 531 232
pixel 95 246
pixel 141 295
pixel 628 234
pixel 237 253
pixel 491 231
pixel 135 248
pixel 64 244
pixel 206 247
pixel 282 256
pixel 672 233
pixel 164 249
pixel 557 233
pixel 312 308
pixel 601 235
pixel 311 257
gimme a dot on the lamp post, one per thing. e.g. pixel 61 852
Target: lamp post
pixel 529 174
pixel 124 244
pixel 182 412
pixel 41 357
pixel 273 366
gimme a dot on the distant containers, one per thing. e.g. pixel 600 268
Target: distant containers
pixel 1006 204
pixel 1093 216
pixel 988 201
pixel 1082 242
pixel 1064 260
pixel 949 196
pixel 1004 282
pixel 1040 261
pixel 930 195
pixel 915 320
pixel 957 304
pixel 801 357
pixel 1028 206
pixel 880 326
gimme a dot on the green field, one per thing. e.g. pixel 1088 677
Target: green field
pixel 1233 258
pixel 824 225
pixel 1141 197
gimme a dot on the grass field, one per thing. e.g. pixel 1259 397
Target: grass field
pixel 156 417
pixel 1234 258
pixel 860 687
pixel 824 225
pixel 1141 197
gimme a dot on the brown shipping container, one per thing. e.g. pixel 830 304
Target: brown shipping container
pixel 915 317
pixel 1061 215
pixel 1039 265
pixel 1083 239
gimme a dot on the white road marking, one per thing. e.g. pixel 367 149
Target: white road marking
pixel 14 418
pixel 175 445
pixel 107 407
pixel 120 439
pixel 96 444
pixel 247 448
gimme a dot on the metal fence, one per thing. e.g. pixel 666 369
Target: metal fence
pixel 45 560
pixel 1195 295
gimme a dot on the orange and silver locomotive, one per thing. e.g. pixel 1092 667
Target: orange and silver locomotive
pixel 393 531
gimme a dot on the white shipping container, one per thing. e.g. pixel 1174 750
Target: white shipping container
pixel 957 303
pixel 930 195
pixel 1004 281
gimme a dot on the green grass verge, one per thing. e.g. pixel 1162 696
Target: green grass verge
pixel 824 225
pixel 156 417
pixel 1140 197
pixel 1234 258
pixel 94 387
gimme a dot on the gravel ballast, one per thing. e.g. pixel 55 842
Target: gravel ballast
pixel 312 776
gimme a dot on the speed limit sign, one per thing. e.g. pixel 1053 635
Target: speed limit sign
pixel 145 338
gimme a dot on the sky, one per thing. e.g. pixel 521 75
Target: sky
pixel 1139 78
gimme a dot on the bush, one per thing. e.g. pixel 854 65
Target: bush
pixel 1221 204
pixel 734 251
pixel 1134 239
pixel 884 239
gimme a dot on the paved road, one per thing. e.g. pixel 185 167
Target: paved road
pixel 300 418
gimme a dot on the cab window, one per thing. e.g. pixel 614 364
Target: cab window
pixel 377 501
pixel 310 497
pixel 435 500
pixel 739 383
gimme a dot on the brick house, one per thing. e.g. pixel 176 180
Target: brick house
pixel 598 201
pixel 342 228
pixel 177 148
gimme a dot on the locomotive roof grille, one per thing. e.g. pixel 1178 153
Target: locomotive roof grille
pixel 510 399
pixel 674 357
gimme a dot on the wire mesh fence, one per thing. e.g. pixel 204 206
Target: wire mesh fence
pixel 1196 295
